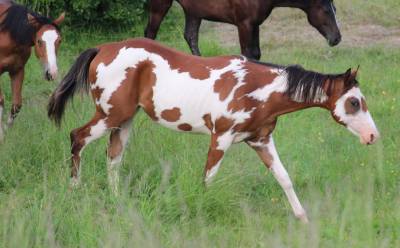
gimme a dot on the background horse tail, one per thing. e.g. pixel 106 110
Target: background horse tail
pixel 76 79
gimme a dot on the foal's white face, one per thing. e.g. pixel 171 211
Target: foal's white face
pixel 352 111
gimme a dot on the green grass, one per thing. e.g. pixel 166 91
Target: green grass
pixel 350 191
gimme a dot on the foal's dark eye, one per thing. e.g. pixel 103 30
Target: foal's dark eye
pixel 39 42
pixel 355 103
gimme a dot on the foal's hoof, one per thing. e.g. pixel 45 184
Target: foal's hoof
pixel 303 218
pixel 74 183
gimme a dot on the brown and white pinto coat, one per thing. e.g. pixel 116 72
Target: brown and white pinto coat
pixel 229 97
pixel 20 29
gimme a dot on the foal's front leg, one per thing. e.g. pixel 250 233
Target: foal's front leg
pixel 17 79
pixel 219 144
pixel 265 148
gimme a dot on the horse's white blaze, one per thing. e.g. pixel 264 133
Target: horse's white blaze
pixel 194 97
pixel 49 37
pixel 281 175
pixel 360 123
pixel 279 84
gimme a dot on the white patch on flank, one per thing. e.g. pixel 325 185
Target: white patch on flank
pixel 279 84
pixel 358 123
pixel 50 37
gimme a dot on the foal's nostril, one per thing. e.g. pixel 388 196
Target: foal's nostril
pixel 372 137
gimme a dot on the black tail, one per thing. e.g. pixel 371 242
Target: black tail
pixel 76 79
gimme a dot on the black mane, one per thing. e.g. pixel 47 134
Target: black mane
pixel 17 23
pixel 306 86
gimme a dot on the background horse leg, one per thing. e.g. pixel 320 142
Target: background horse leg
pixel 246 39
pixel 116 146
pixel 265 148
pixel 192 26
pixel 1 116
pixel 17 79
pixel 256 42
pixel 80 138
pixel 158 9
pixel 219 145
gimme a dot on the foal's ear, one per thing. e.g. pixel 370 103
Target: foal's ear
pixel 60 19
pixel 350 77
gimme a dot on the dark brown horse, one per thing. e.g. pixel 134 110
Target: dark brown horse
pixel 20 30
pixel 247 15
pixel 229 98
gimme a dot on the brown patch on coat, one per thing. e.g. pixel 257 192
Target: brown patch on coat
pixel 208 122
pixel 171 115
pixel 364 105
pixel 262 151
pixel 223 124
pixel 225 84
pixel 96 93
pixel 349 108
pixel 214 156
pixel 185 127
pixel 146 80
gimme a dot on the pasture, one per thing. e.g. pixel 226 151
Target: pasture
pixel 351 192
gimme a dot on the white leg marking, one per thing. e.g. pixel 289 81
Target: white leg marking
pixel 113 165
pixel 283 178
pixel 224 142
pixel 96 132
pixel 212 172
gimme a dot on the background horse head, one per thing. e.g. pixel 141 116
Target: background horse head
pixel 27 28
pixel 47 41
pixel 321 14
pixel 20 30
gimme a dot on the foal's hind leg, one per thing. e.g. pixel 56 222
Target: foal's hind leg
pixel 118 140
pixel 81 137
pixel 158 10
pixel 265 148
pixel 192 26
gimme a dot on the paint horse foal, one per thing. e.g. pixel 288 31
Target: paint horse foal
pixel 20 29
pixel 230 98
pixel 246 15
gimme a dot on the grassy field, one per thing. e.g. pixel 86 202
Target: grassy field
pixel 351 192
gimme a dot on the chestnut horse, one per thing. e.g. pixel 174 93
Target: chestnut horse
pixel 20 29
pixel 231 98
pixel 247 15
